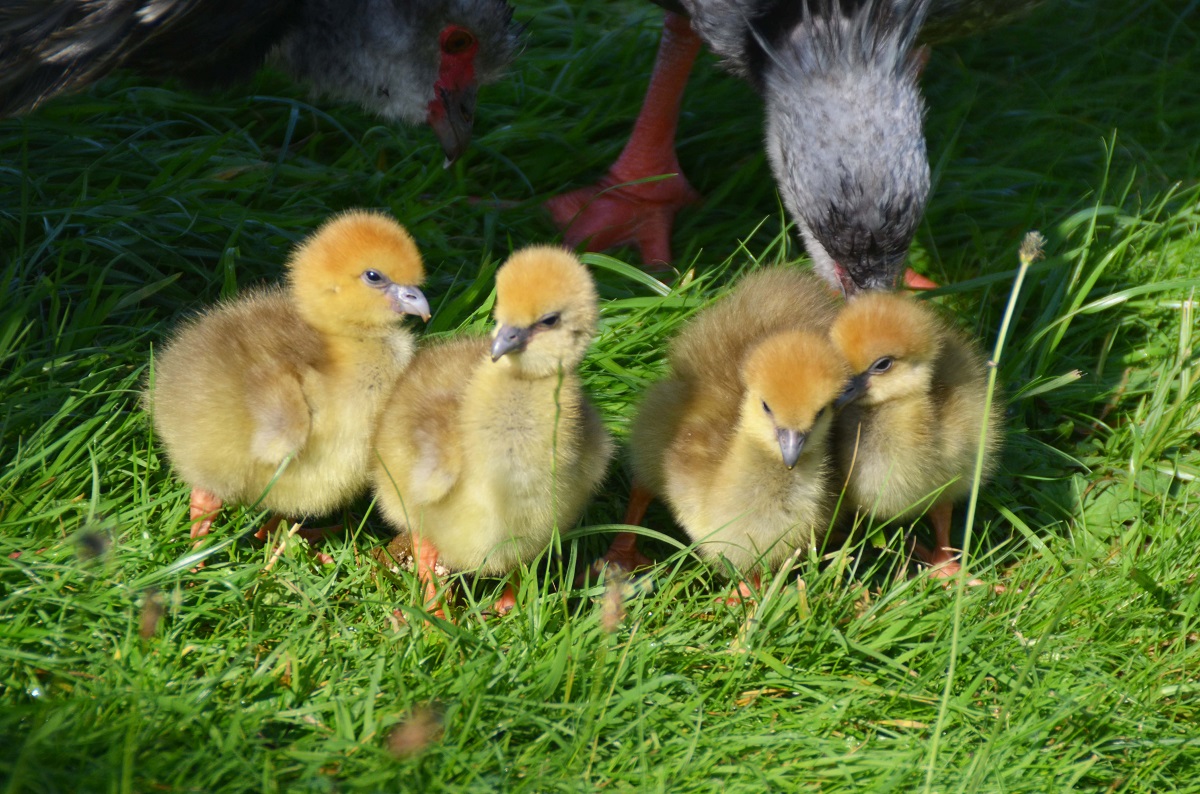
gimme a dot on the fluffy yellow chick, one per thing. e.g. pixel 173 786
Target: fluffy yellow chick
pixel 301 370
pixel 736 440
pixel 909 429
pixel 486 446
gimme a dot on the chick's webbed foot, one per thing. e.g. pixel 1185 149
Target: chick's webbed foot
pixel 614 211
pixel 943 560
pixel 508 599
pixel 623 553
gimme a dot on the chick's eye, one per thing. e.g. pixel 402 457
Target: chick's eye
pixel 882 365
pixel 372 277
pixel 549 321
pixel 457 41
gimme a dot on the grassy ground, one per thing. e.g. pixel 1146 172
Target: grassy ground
pixel 125 209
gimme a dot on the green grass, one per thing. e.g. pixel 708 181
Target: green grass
pixel 124 209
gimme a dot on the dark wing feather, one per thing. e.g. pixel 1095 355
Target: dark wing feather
pixel 48 48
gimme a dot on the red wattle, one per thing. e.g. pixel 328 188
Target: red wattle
pixel 456 70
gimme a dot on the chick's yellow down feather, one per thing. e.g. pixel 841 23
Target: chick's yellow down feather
pixel 909 432
pixel 736 440
pixel 300 370
pixel 487 445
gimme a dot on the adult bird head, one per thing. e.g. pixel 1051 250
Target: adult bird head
pixel 546 312
pixel 407 60
pixel 356 275
pixel 844 131
pixel 791 380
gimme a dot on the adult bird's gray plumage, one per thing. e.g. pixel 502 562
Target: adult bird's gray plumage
pixel 844 125
pixel 843 121
pixel 413 61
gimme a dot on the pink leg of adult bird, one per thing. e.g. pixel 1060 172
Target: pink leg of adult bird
pixel 425 556
pixel 613 213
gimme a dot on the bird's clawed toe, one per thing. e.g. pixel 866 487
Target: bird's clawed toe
pixel 610 214
pixel 914 280
pixel 622 555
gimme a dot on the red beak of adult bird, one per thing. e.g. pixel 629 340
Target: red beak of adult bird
pixel 452 110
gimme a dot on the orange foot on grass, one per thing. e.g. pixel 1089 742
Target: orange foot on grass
pixel 615 212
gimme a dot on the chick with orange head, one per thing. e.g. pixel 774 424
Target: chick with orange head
pixel 909 425
pixel 297 373
pixel 487 445
pixel 737 439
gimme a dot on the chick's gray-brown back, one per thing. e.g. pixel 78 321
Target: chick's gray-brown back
pixel 959 394
pixel 709 352
pixel 693 414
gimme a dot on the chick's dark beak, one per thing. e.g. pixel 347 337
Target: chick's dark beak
pixel 509 339
pixel 408 300
pixel 451 115
pixel 791 444
pixel 854 389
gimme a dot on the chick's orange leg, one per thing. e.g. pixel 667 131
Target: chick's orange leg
pixel 318 534
pixel 612 212
pixel 624 551
pixel 204 508
pixel 425 555
pixel 943 560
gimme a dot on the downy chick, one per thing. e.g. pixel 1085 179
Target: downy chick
pixel 300 371
pixel 486 446
pixel 909 428
pixel 697 443
pixel 747 477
